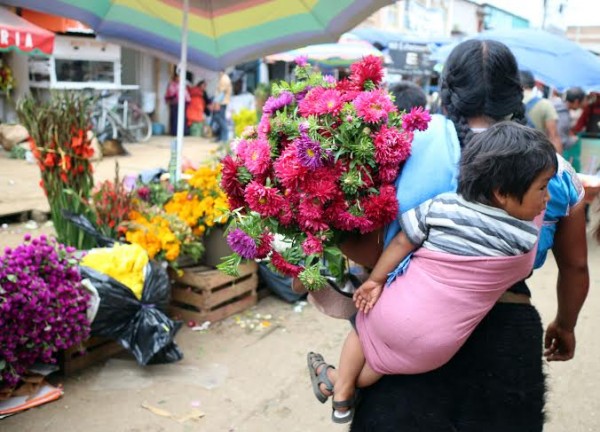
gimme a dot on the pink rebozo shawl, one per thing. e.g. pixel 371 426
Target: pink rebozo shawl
pixel 423 318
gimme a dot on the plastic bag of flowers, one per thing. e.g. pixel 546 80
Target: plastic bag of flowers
pixel 42 306
pixel 320 165
pixel 140 326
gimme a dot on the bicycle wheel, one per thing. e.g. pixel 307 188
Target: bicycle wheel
pixel 136 122
pixel 104 126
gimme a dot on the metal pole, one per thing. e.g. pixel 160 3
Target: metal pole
pixel 182 84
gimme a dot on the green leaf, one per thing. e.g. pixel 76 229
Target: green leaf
pixel 336 262
pixel 230 264
pixel 12 278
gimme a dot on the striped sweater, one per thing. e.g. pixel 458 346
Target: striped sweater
pixel 449 223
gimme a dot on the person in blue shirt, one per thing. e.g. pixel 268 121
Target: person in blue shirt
pixel 495 383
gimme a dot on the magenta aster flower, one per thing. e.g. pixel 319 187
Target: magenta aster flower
pixel 309 152
pixel 242 244
pixel 310 105
pixel 312 245
pixel 264 126
pixel 373 106
pixel 416 119
pixel 301 60
pixel 330 102
pixel 257 156
pixel 262 199
pixel 276 103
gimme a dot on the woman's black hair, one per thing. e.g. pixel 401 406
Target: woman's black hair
pixel 507 158
pixel 481 78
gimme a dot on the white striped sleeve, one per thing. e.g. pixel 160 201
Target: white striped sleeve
pixel 414 223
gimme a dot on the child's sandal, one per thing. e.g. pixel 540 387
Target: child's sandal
pixel 342 416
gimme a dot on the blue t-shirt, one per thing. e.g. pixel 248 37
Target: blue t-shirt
pixel 433 169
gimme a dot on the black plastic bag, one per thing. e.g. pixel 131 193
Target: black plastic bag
pixel 141 327
pixel 81 222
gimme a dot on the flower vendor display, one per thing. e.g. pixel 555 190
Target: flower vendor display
pixel 165 237
pixel 61 146
pixel 199 201
pixel 42 306
pixel 169 221
pixel 320 165
pixel 111 203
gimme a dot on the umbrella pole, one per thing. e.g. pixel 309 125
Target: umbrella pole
pixel 181 93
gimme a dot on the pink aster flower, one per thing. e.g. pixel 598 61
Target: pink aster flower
pixel 388 173
pixel 265 245
pixel 310 105
pixel 312 245
pixel 266 201
pixel 257 156
pixel 264 126
pixel 288 168
pixel 301 60
pixel 381 209
pixel 370 68
pixel 310 216
pixel 330 103
pixel 391 146
pixel 416 119
pixel 373 106
pixel 284 267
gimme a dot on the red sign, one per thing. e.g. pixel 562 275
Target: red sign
pixel 17 33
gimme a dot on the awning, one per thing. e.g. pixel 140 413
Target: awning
pixel 17 34
pixel 330 55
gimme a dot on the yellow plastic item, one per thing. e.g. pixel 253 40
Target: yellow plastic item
pixel 123 262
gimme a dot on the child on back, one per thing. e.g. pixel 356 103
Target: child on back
pixel 469 248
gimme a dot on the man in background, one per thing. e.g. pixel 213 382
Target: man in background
pixel 540 112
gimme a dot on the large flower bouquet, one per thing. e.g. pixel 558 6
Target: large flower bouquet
pixel 62 148
pixel 321 164
pixel 42 306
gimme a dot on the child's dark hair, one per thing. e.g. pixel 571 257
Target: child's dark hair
pixel 507 157
pixel 408 95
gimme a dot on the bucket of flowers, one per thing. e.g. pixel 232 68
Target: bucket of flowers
pixel 320 165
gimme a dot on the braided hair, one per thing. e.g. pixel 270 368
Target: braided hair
pixel 481 78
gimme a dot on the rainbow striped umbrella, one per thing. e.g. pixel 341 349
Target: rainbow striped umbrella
pixel 221 32
pixel 212 33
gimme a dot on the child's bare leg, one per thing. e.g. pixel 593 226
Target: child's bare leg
pixel 367 377
pixel 352 361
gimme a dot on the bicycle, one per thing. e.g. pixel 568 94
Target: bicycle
pixel 121 120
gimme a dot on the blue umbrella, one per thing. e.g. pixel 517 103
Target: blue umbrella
pixel 554 60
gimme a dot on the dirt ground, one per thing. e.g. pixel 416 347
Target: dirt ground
pixel 247 379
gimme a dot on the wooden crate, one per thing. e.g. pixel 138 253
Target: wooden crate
pixel 204 294
pixel 95 350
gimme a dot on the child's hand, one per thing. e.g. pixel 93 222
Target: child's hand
pixel 367 295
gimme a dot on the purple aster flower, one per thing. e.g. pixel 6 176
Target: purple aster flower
pixel 329 79
pixel 276 103
pixel 301 60
pixel 242 244
pixel 309 152
pixel 301 94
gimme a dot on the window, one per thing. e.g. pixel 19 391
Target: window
pixel 85 71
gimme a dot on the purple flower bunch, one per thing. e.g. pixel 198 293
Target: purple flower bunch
pixel 42 306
